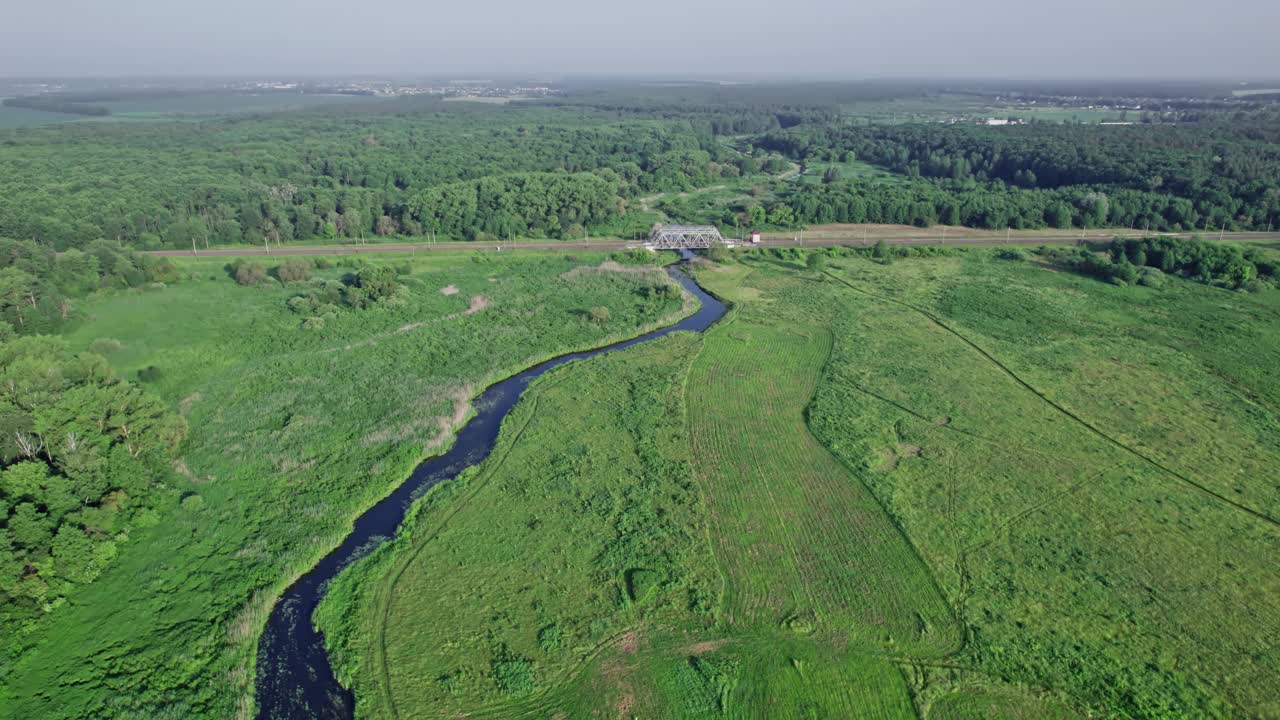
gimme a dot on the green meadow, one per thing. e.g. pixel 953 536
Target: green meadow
pixel 940 485
pixel 295 428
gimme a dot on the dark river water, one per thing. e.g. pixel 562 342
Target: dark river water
pixel 294 677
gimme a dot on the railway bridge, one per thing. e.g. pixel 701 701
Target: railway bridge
pixel 684 237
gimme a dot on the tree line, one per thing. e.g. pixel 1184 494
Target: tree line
pixel 56 104
pixel 1146 261
pixel 83 457
pixel 1209 175
pixel 38 286
pixel 316 175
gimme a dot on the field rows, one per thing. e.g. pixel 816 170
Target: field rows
pixel 804 543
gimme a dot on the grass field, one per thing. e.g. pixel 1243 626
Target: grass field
pixel 292 432
pixel 1082 462
pixel 945 487
pixel 189 105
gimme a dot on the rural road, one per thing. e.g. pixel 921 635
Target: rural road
pixel 816 237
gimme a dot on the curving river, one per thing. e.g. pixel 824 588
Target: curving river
pixel 294 678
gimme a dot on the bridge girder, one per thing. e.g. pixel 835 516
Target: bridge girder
pixel 684 237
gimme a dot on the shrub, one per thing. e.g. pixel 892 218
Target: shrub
pixel 294 270
pixel 250 274
pixel 513 675
pixel 1151 277
pixel 105 346
pixel 1010 254
pixel 150 373
pixel 599 314
pixel 816 261
pixel 549 638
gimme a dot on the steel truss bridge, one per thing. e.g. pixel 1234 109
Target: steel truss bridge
pixel 683 237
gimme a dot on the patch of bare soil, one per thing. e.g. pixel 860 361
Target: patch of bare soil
pixel 890 457
pixel 703 648
pixel 477 304
pixel 630 642
pixel 449 290
pixel 185 405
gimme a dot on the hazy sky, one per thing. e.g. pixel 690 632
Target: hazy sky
pixel 829 38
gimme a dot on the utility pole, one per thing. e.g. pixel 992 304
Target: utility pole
pixel 193 244
pixel 1222 230
pixel 864 234
pixel 1007 230
pixel 944 234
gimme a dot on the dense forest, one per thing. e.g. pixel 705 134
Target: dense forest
pixel 312 175
pixel 1200 176
pixel 583 161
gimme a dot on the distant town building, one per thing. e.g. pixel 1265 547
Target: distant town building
pixel 755 236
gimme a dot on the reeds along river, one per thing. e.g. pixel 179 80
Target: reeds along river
pixel 294 677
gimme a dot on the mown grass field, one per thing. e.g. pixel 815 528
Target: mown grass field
pixel 293 432
pixel 1081 461
pixel 943 487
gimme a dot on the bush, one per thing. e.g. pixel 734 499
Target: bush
pixel 1010 254
pixel 817 261
pixel 514 676
pixel 150 373
pixel 250 274
pixel 1151 277
pixel 105 346
pixel 549 638
pixel 599 314
pixel 294 270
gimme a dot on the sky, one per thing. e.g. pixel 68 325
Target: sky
pixel 687 38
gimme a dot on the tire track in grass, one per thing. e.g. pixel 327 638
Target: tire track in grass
pixel 1258 514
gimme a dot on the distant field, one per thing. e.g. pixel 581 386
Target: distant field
pixel 484 100
pixel 946 106
pixel 13 117
pixel 195 104
pixel 215 104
